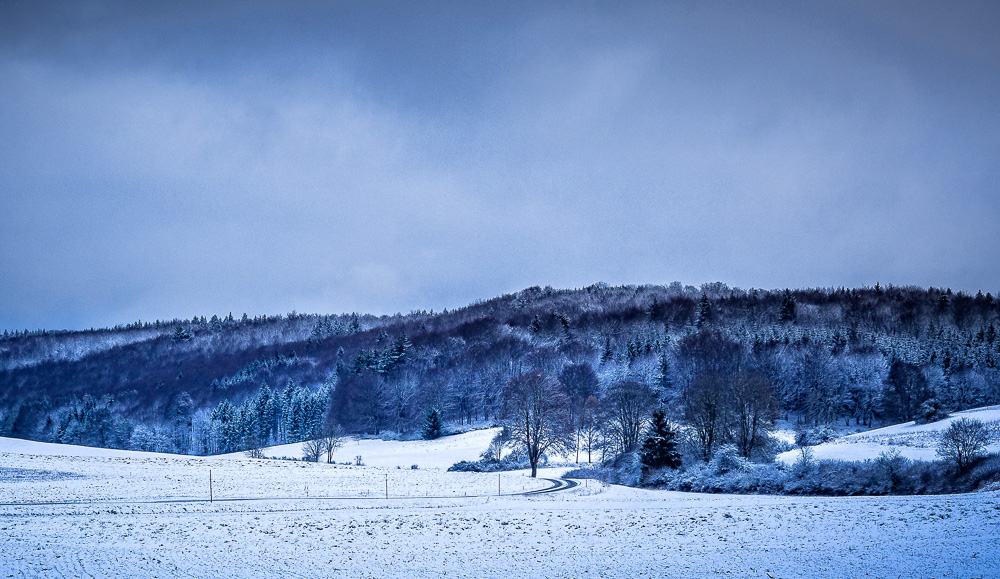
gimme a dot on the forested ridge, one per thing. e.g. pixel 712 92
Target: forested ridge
pixel 221 383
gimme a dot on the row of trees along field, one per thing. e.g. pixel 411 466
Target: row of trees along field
pixel 725 361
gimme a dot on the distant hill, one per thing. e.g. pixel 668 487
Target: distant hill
pixel 868 355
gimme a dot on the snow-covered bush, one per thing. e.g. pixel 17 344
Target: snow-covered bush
pixel 515 460
pixel 593 472
pixel 628 469
pixel 727 459
pixel 773 446
pixel 930 411
pixel 890 465
pixel 814 436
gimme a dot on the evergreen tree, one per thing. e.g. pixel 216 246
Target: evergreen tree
pixel 606 354
pixel 433 426
pixel 704 311
pixel 663 381
pixel 181 335
pixel 660 447
pixel 787 307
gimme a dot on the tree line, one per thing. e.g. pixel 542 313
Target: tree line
pixel 725 361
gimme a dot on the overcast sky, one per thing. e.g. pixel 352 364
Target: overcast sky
pixel 162 160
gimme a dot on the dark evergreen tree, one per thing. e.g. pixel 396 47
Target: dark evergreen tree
pixel 663 373
pixel 433 426
pixel 704 311
pixel 181 335
pixel 606 353
pixel 787 308
pixel 660 447
pixel 905 390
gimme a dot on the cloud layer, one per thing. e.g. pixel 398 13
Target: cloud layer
pixel 384 157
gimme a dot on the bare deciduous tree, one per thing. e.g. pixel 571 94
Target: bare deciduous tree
pixel 964 441
pixel 538 416
pixel 590 430
pixel 628 403
pixel 753 408
pixel 580 383
pixel 312 449
pixel 331 441
pixel 705 403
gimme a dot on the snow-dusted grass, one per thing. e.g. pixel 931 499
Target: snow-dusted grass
pixel 911 440
pixel 590 530
pixel 440 453
pixel 52 478
pixel 17 445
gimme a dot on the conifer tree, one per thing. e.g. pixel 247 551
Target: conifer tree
pixel 704 311
pixel 181 335
pixel 787 308
pixel 660 447
pixel 433 426
pixel 606 354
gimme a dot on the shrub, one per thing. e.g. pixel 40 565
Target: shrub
pixel 930 411
pixel 727 459
pixel 487 462
pixel 964 441
pixel 891 465
pixel 599 473
pixel 814 436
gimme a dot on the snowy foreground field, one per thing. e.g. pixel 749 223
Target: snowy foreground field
pixel 76 512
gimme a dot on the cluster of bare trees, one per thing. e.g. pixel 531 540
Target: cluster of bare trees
pixel 543 417
pixel 326 442
pixel 737 409
pixel 728 397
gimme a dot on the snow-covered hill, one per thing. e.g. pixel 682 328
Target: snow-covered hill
pixel 19 446
pixel 440 453
pixel 913 441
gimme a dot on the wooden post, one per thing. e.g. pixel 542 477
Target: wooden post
pixel 386 486
pixel 498 484
pixel 210 485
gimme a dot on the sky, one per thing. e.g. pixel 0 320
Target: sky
pixel 166 160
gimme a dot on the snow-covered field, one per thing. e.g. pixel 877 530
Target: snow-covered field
pixel 439 453
pixel 146 515
pixel 911 440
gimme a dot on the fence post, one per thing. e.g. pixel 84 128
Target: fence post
pixel 210 485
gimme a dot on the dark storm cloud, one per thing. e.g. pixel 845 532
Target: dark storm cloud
pixel 183 159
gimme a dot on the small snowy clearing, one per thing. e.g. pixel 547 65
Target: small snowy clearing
pixel 439 453
pixel 911 440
